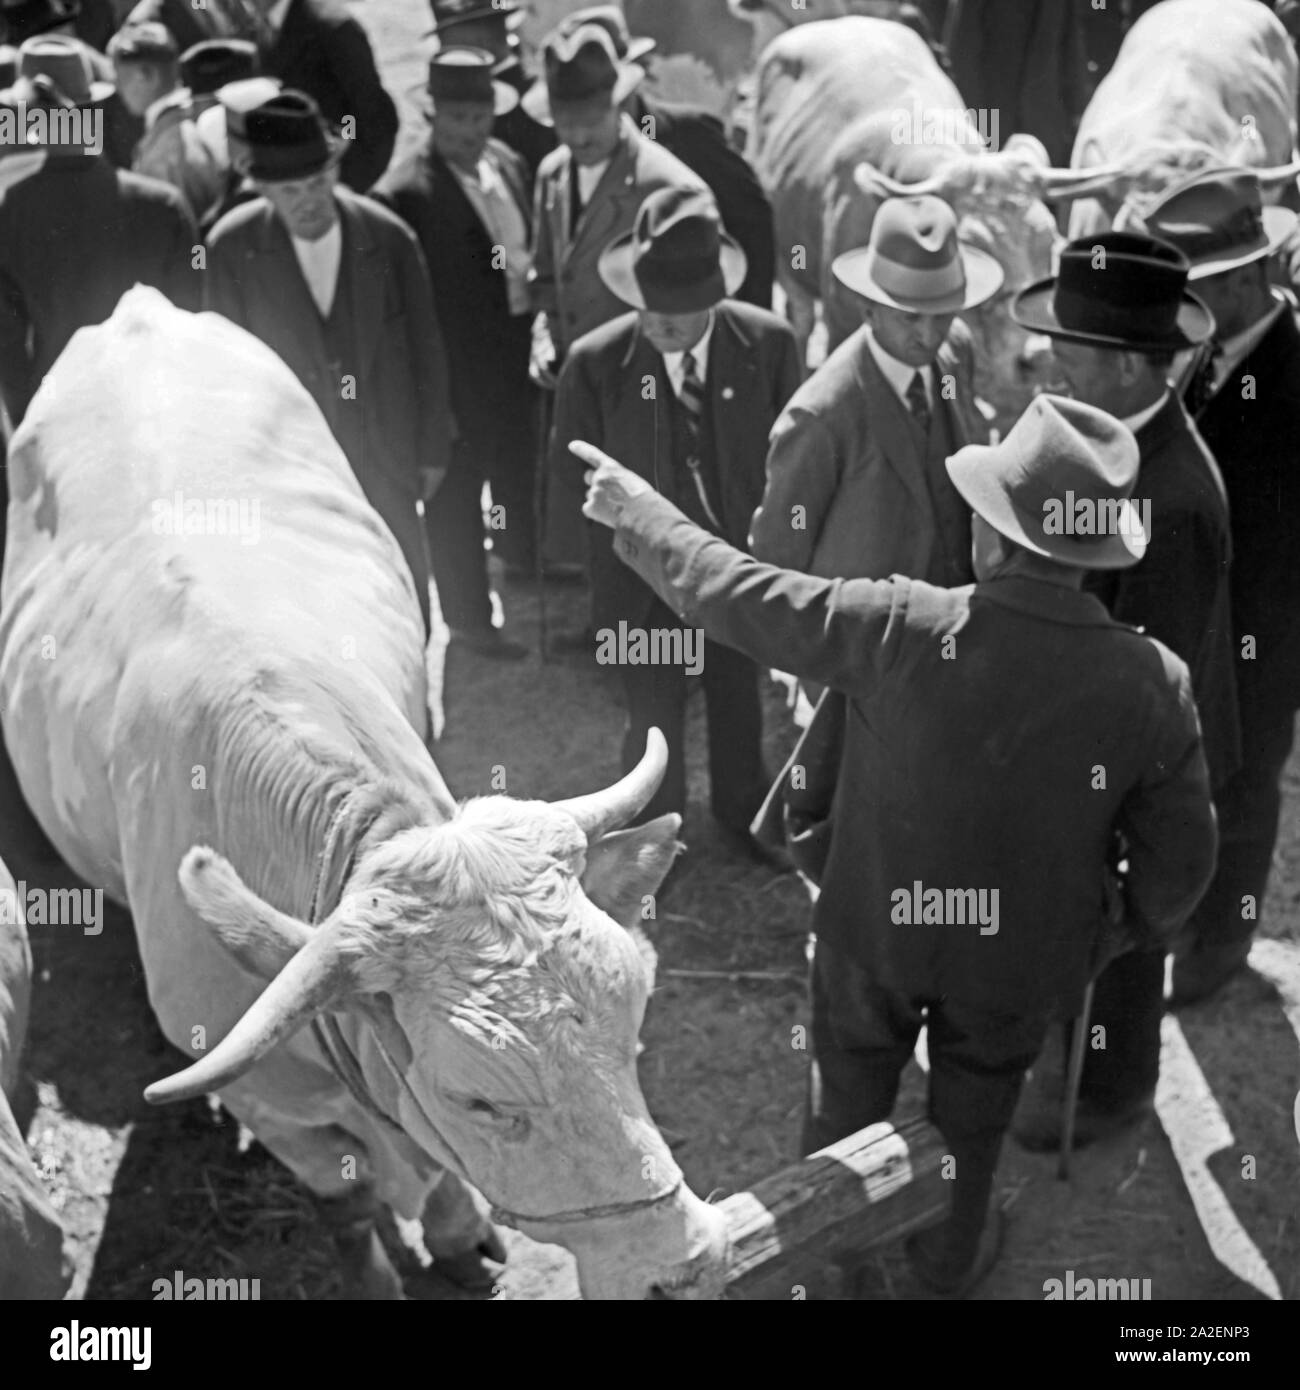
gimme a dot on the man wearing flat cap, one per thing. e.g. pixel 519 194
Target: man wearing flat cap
pixel 685 389
pixel 1118 313
pixel 965 884
pixel 1246 398
pixel 465 195
pixel 337 286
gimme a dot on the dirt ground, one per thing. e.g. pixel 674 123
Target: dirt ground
pixel 144 1192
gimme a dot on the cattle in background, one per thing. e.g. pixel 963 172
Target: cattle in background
pixel 182 691
pixel 31 1238
pixel 853 110
pixel 1196 83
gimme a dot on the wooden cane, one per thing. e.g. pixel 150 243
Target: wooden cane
pixel 1070 1103
pixel 543 424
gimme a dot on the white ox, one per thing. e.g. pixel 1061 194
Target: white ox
pixel 853 110
pixel 252 711
pixel 1196 82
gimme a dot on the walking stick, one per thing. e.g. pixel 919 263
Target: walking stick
pixel 1070 1103
pixel 545 401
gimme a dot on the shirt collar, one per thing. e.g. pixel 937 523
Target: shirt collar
pixel 675 360
pixel 898 374
pixel 1145 416
pixel 178 96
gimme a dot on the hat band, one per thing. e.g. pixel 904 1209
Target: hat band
pixel 1244 231
pixel 1085 313
pixel 920 284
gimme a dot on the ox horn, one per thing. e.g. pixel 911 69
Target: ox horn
pixel 1062 185
pixel 312 980
pixel 1278 174
pixel 875 184
pixel 601 812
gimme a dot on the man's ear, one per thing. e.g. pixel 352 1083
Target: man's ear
pixel 624 870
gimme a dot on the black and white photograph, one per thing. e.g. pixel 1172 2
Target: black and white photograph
pixel 649 652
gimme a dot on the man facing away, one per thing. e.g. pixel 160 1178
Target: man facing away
pixel 966 879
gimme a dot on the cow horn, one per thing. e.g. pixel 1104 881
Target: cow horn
pixel 1278 174
pixel 607 810
pixel 872 182
pixel 1062 185
pixel 313 980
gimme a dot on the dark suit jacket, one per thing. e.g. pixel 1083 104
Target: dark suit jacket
pixel 74 237
pixel 400 418
pixel 489 359
pixel 1256 443
pixel 973 772
pixel 531 140
pixel 602 397
pixel 1178 591
pixel 324 52
pixel 698 139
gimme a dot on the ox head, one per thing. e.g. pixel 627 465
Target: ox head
pixel 502 1000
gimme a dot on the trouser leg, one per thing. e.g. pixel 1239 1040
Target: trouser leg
pixel 454 525
pixel 1124 1065
pixel 734 712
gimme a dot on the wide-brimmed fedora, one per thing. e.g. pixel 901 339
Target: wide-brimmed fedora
pixel 21 19
pixel 287 138
pixel 62 64
pixel 1119 290
pixel 1218 220
pixel 915 261
pixel 449 13
pixel 581 65
pixel 676 259
pixel 1060 484
pixel 465 74
pixel 208 65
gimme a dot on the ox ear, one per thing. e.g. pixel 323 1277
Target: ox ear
pixel 625 869
pixel 261 939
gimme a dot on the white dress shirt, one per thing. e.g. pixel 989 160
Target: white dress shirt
pixel 899 374
pixel 675 362
pixel 490 197
pixel 319 261
pixel 589 175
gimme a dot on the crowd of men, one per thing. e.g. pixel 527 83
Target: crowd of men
pixel 1090 721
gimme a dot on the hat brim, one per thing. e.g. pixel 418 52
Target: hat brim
pixel 504 100
pixel 1033 309
pixel 978 472
pixel 984 277
pixel 337 148
pixel 537 100
pixel 615 266
pixel 1279 223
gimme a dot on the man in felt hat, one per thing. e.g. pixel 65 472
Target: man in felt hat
pixel 856 483
pixel 147 67
pixel 1248 412
pixel 314 46
pixel 209 65
pixel 698 139
pixel 337 286
pixel 965 886
pixel 1118 312
pixel 588 192
pixel 685 390
pixel 465 195
pixel 483 24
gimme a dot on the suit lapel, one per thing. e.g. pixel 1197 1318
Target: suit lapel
pixel 287 285
pixel 601 213
pixel 367 296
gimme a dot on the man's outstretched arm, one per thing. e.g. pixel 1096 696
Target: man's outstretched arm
pixel 837 632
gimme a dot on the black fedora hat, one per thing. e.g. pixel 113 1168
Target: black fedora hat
pixel 1117 290
pixel 20 19
pixel 676 259
pixel 210 64
pixel 465 74
pixel 579 66
pixel 287 139
pixel 449 13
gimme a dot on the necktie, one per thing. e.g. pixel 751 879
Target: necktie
pixel 919 403
pixel 692 399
